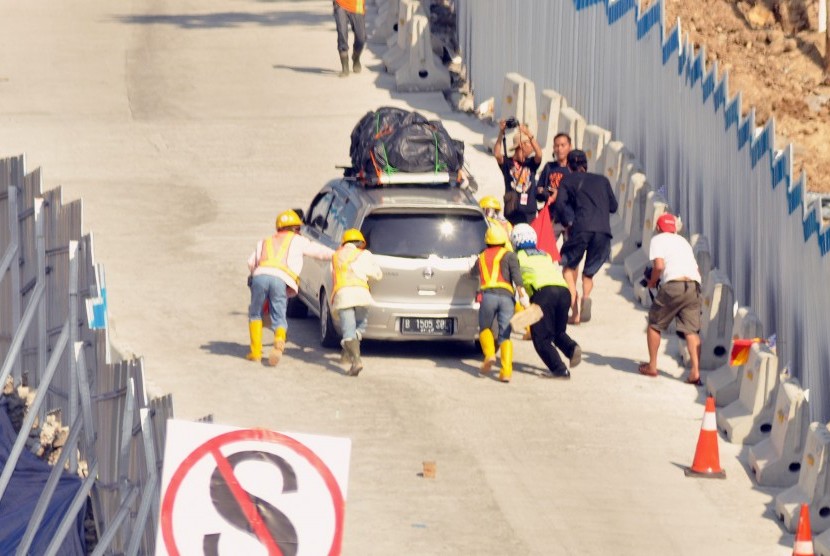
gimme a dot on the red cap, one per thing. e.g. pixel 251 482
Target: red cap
pixel 667 223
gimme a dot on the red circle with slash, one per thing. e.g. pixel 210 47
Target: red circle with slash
pixel 212 448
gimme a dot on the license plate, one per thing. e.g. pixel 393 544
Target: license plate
pixel 426 326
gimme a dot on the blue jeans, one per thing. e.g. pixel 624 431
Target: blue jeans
pixel 499 307
pixel 353 322
pixel 264 286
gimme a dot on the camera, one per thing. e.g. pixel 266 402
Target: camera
pixel 647 276
pixel 510 123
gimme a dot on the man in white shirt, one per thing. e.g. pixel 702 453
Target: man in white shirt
pixel 675 268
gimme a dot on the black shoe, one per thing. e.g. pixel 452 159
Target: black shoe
pixel 564 374
pixel 576 358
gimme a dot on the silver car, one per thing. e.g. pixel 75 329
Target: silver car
pixel 423 237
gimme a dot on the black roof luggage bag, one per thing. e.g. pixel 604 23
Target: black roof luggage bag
pixel 391 140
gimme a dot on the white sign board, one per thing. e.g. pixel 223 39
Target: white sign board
pixel 229 491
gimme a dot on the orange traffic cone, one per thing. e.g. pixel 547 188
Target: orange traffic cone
pixel 803 537
pixel 707 461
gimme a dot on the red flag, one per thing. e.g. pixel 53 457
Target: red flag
pixel 740 350
pixel 545 236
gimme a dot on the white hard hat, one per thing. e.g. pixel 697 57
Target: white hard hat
pixel 522 234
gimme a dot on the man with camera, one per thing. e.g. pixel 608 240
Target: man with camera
pixel 674 268
pixel 519 157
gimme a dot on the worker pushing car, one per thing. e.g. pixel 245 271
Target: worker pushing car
pixel 274 268
pixel 352 266
pixel 548 289
pixel 498 270
pixel 492 210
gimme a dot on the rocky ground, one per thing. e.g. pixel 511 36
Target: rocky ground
pixel 775 58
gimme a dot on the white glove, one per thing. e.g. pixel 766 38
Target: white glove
pixel 524 300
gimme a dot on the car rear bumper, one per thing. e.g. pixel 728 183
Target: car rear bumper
pixel 384 321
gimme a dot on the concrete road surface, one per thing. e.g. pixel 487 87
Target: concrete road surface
pixel 185 127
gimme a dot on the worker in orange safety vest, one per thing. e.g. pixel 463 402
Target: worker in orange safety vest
pixel 275 267
pixel 498 270
pixel 352 267
pixel 346 13
pixel 492 210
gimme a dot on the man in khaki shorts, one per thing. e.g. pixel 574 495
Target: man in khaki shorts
pixel 675 267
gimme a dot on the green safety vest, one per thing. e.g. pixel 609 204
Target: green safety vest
pixel 539 271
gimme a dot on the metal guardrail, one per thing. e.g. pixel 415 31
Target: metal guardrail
pixel 624 70
pixel 53 337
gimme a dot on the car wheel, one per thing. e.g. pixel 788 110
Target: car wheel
pixel 296 309
pixel 328 334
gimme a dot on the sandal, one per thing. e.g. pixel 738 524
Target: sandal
pixel 585 309
pixel 696 382
pixel 644 370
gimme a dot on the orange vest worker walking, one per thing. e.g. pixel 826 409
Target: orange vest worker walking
pixel 346 13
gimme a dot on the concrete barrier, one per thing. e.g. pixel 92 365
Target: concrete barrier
pixel 627 232
pixel 636 262
pixel 703 256
pixel 385 23
pixel 716 321
pixel 424 71
pixel 398 53
pixel 724 384
pixel 748 420
pixel 776 461
pixel 812 486
pixel 594 140
pixel 552 104
pixel 518 100
pixel 572 123
pixel 821 543
pixel 629 166
pixel 610 163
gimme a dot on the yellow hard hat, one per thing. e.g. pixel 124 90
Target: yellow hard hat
pixel 490 202
pixel 287 219
pixel 352 235
pixel 495 236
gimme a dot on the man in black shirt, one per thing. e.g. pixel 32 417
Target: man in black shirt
pixel 590 198
pixel 518 166
pixel 551 177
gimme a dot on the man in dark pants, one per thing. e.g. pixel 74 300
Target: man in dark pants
pixel 350 12
pixel 547 288
pixel 588 197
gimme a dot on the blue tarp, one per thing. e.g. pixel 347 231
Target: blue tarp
pixel 21 496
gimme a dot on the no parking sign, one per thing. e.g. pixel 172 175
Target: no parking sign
pixel 228 491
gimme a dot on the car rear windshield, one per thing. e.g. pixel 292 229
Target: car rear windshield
pixel 446 235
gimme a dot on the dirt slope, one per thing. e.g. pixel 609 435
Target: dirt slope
pixel 779 72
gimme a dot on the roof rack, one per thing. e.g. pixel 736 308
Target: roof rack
pixel 422 178
pixel 403 178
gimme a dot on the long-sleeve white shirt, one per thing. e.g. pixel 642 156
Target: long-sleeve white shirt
pixel 364 268
pixel 299 246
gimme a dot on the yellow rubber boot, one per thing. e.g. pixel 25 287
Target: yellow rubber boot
pixel 506 360
pixel 279 346
pixel 255 329
pixel 488 347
